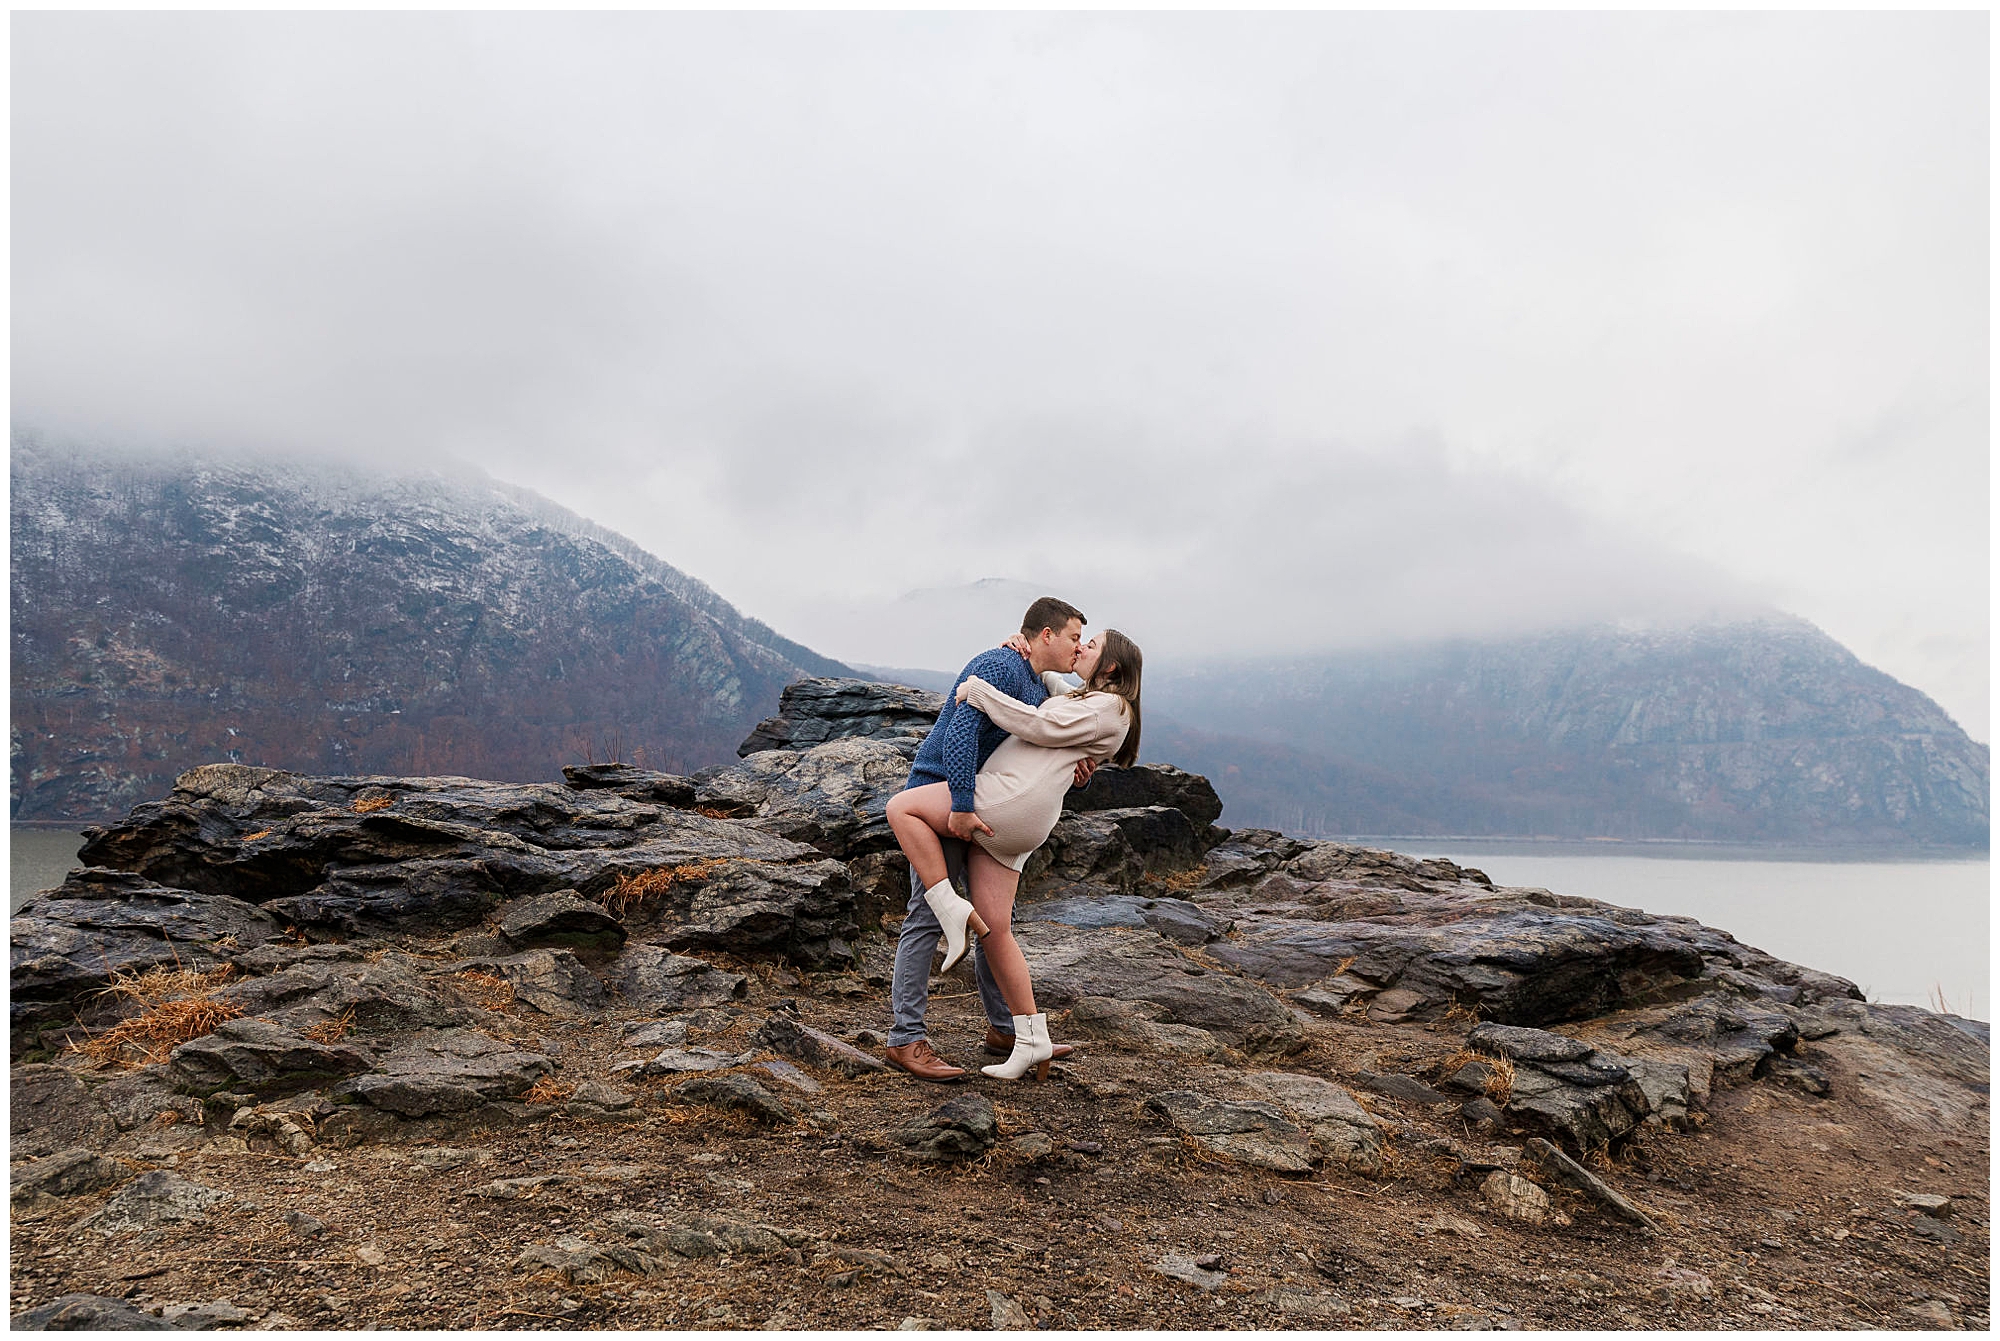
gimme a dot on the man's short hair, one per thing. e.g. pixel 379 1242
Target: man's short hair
pixel 1050 613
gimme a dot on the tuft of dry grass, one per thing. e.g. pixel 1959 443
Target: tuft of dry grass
pixel 631 891
pixel 149 1036
pixel 1460 1013
pixel 253 837
pixel 713 813
pixel 548 1090
pixel 1500 1081
pixel 490 991
pixel 369 804
pixel 1342 967
pixel 152 986
pixel 332 1030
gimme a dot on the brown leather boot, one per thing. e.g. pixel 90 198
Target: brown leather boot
pixel 1002 1045
pixel 921 1060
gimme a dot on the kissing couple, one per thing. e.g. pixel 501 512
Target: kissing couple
pixel 985 790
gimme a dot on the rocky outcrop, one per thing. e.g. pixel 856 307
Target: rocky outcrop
pixel 815 710
pixel 1149 785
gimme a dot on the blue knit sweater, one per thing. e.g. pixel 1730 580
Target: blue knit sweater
pixel 964 737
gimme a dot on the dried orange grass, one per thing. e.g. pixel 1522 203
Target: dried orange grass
pixel 630 891
pixel 489 990
pixel 333 1030
pixel 548 1090
pixel 149 1037
pixel 370 804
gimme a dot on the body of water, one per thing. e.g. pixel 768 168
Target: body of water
pixel 1902 930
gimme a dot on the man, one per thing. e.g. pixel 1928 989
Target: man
pixel 961 741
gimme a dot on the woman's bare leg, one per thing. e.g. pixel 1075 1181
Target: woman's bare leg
pixel 917 816
pixel 993 887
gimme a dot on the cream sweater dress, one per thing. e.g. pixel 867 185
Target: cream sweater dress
pixel 1020 790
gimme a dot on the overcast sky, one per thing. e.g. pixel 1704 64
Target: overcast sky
pixel 1246 332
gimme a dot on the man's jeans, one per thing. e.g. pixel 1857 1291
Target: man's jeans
pixel 909 988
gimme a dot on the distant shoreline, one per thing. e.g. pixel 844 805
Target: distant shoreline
pixel 1671 848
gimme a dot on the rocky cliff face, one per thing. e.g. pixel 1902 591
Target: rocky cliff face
pixel 174 612
pixel 1755 731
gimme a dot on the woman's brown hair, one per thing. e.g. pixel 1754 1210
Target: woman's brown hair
pixel 1127 669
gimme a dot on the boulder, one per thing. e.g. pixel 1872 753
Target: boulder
pixel 152 1199
pixel 834 796
pixel 259 1055
pixel 1135 1026
pixel 963 1129
pixel 818 709
pixel 1253 1133
pixel 1560 1168
pixel 736 1094
pixel 1113 849
pixel 419 854
pixel 68 1173
pixel 1346 1132
pixel 1070 964
pixel 50 1110
pixel 446 1071
pixel 388 994
pixel 803 912
pixel 87 1313
pixel 70 941
pixel 637 784
pixel 1516 1198
pixel 1149 785
pixel 657 978
pixel 561 918
pixel 1566 1087
pixel 782 1033
pixel 1176 919
pixel 554 982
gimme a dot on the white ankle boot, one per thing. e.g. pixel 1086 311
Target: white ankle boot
pixel 1032 1050
pixel 953 914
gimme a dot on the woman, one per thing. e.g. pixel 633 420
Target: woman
pixel 1017 799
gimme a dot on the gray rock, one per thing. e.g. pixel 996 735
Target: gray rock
pixel 1798 1075
pixel 1149 785
pixel 603 1095
pixel 87 1313
pixel 1031 1145
pixel 655 1034
pixel 151 1199
pixel 303 1226
pixel 68 1173
pixel 1007 1314
pixel 137 1098
pixel 736 1094
pixel 789 1076
pixel 781 1033
pixel 1070 964
pixel 1347 1133
pixel 204 1317
pixel 1482 1114
pixel 1928 1202
pixel 1176 919
pixel 1526 1045
pixel 1401 1087
pixel 561 917
pixel 71 940
pixel 446 1071
pixel 833 795
pixel 1135 1026
pixel 581 1262
pixel 679 1061
pixel 1937 1231
pixel 1587 1116
pixel 637 784
pixel 262 1056
pixel 552 981
pixel 805 912
pixel 817 709
pixel 1252 1133
pixel 1113 849
pixel 1515 1197
pixel 439 857
pixel 51 1110
pixel 1180 1267
pixel 658 978
pixel 387 995
pixel 1559 1167
pixel 964 1128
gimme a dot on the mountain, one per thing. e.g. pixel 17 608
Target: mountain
pixel 175 610
pixel 1761 730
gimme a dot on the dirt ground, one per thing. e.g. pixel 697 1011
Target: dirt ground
pixel 1780 1211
